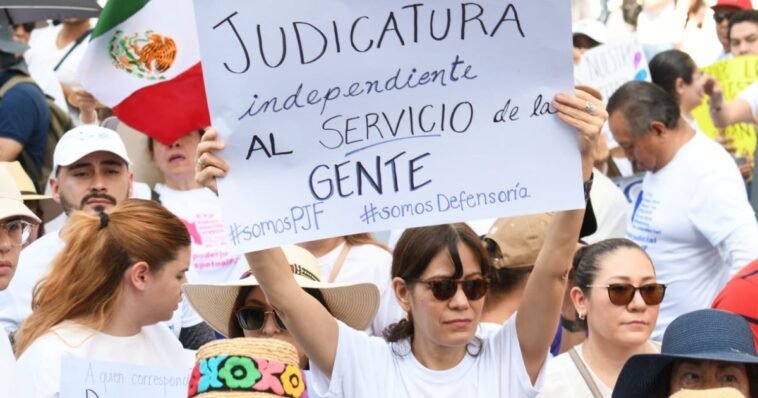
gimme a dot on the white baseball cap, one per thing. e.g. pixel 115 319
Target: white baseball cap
pixel 591 28
pixel 83 140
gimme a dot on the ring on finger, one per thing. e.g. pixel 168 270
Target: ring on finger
pixel 589 107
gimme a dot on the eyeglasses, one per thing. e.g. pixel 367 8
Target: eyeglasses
pixel 18 230
pixel 252 318
pixel 623 293
pixel 444 289
pixel 720 16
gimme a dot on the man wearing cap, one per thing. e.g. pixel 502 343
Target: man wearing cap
pixel 691 216
pixel 722 11
pixel 92 174
pixel 743 34
pixel 24 114
pixel 16 222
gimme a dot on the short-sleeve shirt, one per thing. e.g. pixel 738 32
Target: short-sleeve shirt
pixel 367 366
pixel 25 117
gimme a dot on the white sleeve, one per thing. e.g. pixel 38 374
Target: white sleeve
pixel 739 248
pixel 506 344
pixel 38 372
pixel 750 95
pixel 360 366
pixel 719 207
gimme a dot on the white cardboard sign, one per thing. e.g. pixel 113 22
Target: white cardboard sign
pixel 82 378
pixel 347 116
pixel 607 67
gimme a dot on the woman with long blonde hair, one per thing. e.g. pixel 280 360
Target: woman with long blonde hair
pixel 118 277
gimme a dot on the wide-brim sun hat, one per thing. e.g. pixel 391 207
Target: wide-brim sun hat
pixel 11 202
pixel 23 181
pixel 708 334
pixel 246 368
pixel 354 304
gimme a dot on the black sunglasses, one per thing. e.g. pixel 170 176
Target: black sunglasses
pixel 720 16
pixel 444 289
pixel 254 318
pixel 623 293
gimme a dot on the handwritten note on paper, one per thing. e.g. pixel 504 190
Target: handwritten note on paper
pixel 347 116
pixel 83 378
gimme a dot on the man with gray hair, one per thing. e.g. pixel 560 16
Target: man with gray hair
pixel 692 215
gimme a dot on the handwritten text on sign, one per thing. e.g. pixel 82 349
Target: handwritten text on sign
pixel 82 378
pixel 350 116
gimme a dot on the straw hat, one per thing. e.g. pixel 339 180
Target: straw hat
pixel 246 367
pixel 11 202
pixel 50 208
pixel 353 304
pixel 724 392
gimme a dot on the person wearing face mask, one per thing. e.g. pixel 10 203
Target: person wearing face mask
pixel 616 297
pixel 701 350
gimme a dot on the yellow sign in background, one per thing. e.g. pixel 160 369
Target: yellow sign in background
pixel 734 75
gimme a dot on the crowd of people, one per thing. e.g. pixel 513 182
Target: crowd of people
pixel 112 247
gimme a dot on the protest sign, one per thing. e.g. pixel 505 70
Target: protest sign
pixel 734 75
pixel 607 67
pixel 347 116
pixel 83 378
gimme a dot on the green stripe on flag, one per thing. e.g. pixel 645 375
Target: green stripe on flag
pixel 116 12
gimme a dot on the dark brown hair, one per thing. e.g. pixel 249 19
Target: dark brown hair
pixel 416 249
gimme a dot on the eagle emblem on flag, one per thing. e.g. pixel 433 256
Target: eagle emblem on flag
pixel 147 56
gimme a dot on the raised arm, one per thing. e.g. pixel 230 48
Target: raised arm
pixel 540 307
pixel 308 321
pixel 725 114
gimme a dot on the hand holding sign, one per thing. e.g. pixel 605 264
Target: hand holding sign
pixel 587 114
pixel 209 166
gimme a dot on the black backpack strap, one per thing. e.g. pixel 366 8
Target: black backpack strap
pixel 70 50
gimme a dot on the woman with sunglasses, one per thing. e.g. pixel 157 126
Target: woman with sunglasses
pixel 439 278
pixel 240 309
pixel 617 300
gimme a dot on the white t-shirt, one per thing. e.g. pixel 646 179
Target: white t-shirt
pixel 368 367
pixel 7 367
pixel 44 52
pixel 39 367
pixel 750 95
pixel 200 211
pixel 610 207
pixel 34 263
pixel 367 264
pixel 563 379
pixel 694 220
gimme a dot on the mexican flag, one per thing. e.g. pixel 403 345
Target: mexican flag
pixel 143 61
